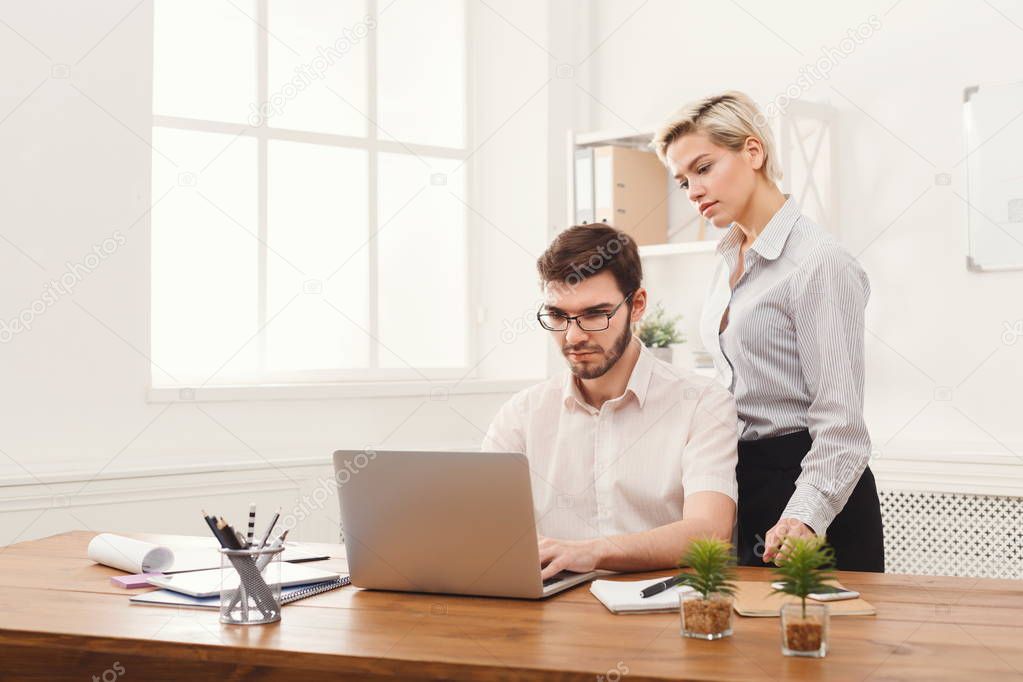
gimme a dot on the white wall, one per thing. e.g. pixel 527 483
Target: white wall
pixel 931 324
pixel 76 168
pixel 74 420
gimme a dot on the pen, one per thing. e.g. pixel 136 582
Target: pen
pixel 273 522
pixel 252 524
pixel 657 588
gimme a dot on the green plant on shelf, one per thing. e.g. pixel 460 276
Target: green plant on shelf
pixel 660 330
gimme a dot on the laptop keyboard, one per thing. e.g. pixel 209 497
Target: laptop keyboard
pixel 558 577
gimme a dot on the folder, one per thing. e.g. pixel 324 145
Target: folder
pixel 584 186
pixel 755 599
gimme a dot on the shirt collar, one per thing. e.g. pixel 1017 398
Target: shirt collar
pixel 771 240
pixel 639 382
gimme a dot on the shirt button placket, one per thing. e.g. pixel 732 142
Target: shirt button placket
pixel 601 461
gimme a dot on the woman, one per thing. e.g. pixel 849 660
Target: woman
pixel 784 322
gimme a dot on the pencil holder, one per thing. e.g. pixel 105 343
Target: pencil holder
pixel 250 585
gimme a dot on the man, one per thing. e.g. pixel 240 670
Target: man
pixel 630 457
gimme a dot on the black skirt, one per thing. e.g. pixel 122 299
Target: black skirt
pixel 767 471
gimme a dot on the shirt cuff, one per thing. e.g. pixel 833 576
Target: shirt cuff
pixel 717 484
pixel 810 506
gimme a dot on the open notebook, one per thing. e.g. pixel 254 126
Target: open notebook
pixel 623 596
pixel 288 595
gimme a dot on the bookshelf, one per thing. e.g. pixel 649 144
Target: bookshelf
pixel 680 213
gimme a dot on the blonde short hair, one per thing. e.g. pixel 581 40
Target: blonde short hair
pixel 727 119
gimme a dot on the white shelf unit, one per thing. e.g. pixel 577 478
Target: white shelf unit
pixel 678 204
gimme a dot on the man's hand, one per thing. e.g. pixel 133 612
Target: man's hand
pixel 569 555
pixel 785 528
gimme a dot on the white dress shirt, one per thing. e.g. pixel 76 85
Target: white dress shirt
pixel 792 352
pixel 628 466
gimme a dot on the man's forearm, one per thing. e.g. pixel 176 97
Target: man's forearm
pixel 655 549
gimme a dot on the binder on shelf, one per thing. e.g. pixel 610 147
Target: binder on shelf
pixel 584 186
pixel 624 187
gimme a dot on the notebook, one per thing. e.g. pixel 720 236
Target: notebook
pixel 755 599
pixel 288 595
pixel 622 596
pixel 208 583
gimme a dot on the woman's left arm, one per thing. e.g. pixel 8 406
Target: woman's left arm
pixel 829 295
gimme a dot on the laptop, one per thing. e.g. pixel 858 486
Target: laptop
pixel 443 522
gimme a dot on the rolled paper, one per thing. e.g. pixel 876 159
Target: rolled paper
pixel 127 554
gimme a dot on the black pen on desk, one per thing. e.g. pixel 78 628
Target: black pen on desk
pixel 657 588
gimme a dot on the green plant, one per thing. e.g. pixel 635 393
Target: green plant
pixel 712 562
pixel 658 329
pixel 804 566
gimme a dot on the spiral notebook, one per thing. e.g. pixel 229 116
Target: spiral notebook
pixel 210 583
pixel 288 595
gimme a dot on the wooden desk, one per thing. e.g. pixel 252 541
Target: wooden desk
pixel 61 619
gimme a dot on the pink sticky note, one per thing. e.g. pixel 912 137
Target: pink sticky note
pixel 131 581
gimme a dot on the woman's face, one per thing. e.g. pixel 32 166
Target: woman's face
pixel 717 181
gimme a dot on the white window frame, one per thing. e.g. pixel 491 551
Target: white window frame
pixel 357 381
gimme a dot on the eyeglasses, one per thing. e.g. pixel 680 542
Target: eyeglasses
pixel 588 322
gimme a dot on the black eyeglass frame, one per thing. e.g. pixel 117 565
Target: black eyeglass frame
pixel 575 318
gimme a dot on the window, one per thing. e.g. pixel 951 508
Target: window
pixel 310 191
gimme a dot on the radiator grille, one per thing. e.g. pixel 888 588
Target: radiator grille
pixel 978 536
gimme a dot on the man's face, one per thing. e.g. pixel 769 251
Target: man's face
pixel 591 354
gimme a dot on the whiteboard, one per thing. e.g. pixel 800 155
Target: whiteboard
pixel 993 117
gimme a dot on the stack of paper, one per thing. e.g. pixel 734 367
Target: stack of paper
pixel 623 596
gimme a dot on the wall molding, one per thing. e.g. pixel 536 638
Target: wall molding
pixel 968 468
pixel 963 468
pixel 299 485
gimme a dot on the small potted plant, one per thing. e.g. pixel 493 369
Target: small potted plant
pixel 804 567
pixel 658 331
pixel 706 611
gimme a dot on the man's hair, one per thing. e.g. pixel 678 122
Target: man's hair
pixel 582 251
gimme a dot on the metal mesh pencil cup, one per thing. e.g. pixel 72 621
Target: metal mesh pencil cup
pixel 250 585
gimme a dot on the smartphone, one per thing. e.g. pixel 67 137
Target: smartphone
pixel 829 593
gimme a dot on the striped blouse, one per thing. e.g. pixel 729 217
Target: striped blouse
pixel 792 352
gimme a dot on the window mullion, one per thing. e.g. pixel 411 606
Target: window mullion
pixel 262 93
pixel 374 270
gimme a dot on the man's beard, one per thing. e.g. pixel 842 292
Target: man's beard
pixel 611 357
